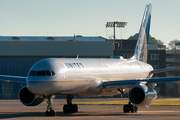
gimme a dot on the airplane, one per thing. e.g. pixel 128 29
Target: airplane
pixel 94 77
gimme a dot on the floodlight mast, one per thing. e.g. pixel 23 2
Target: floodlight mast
pixel 116 24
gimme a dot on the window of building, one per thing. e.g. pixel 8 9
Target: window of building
pixel 170 65
pixel 155 67
pixel 170 55
pixel 116 45
pixel 153 57
pixel 127 55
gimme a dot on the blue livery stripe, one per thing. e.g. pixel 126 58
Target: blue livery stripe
pixel 140 52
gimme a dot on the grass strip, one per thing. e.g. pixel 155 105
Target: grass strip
pixel 167 102
pixel 160 102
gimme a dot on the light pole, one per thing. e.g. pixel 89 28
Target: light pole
pixel 116 24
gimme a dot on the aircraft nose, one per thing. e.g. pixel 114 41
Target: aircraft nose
pixel 40 85
pixel 39 82
pixel 40 75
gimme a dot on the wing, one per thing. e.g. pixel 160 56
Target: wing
pixel 128 83
pixel 164 70
pixel 110 85
pixel 7 78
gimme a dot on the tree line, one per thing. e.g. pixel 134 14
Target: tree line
pixel 171 45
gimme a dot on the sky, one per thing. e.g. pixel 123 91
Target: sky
pixel 88 18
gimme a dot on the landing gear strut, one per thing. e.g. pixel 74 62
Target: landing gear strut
pixel 50 111
pixel 69 107
pixel 130 108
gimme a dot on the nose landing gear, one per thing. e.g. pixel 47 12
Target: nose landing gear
pixel 50 111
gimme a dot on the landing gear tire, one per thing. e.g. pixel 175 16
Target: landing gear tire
pixel 51 113
pixel 73 108
pixel 69 107
pixel 66 109
pixel 134 109
pixel 130 108
pixel 126 108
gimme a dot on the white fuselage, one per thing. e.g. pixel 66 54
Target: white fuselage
pixel 83 77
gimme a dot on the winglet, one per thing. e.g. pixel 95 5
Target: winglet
pixel 140 52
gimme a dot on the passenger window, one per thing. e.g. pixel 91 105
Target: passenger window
pixel 48 73
pixel 41 73
pixel 33 73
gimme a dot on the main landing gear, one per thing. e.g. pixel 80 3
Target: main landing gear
pixel 129 107
pixel 69 107
pixel 50 111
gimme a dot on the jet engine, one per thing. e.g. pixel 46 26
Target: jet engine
pixel 28 98
pixel 141 94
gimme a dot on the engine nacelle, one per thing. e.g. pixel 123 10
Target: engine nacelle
pixel 141 94
pixel 28 98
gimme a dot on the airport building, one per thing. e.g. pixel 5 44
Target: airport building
pixel 19 53
pixel 173 60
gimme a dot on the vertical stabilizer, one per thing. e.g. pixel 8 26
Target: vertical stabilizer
pixel 140 52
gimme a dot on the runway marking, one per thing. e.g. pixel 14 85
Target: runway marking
pixel 158 111
pixel 108 109
pixel 137 116
pixel 112 108
pixel 130 116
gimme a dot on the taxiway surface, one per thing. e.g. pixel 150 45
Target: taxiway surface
pixel 14 110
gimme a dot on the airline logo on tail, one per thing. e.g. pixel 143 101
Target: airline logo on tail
pixel 140 52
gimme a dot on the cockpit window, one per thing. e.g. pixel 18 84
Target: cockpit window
pixel 48 73
pixel 33 73
pixel 53 73
pixel 42 73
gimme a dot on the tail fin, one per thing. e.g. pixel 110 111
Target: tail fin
pixel 140 52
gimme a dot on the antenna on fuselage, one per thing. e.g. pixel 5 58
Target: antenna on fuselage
pixel 77 56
